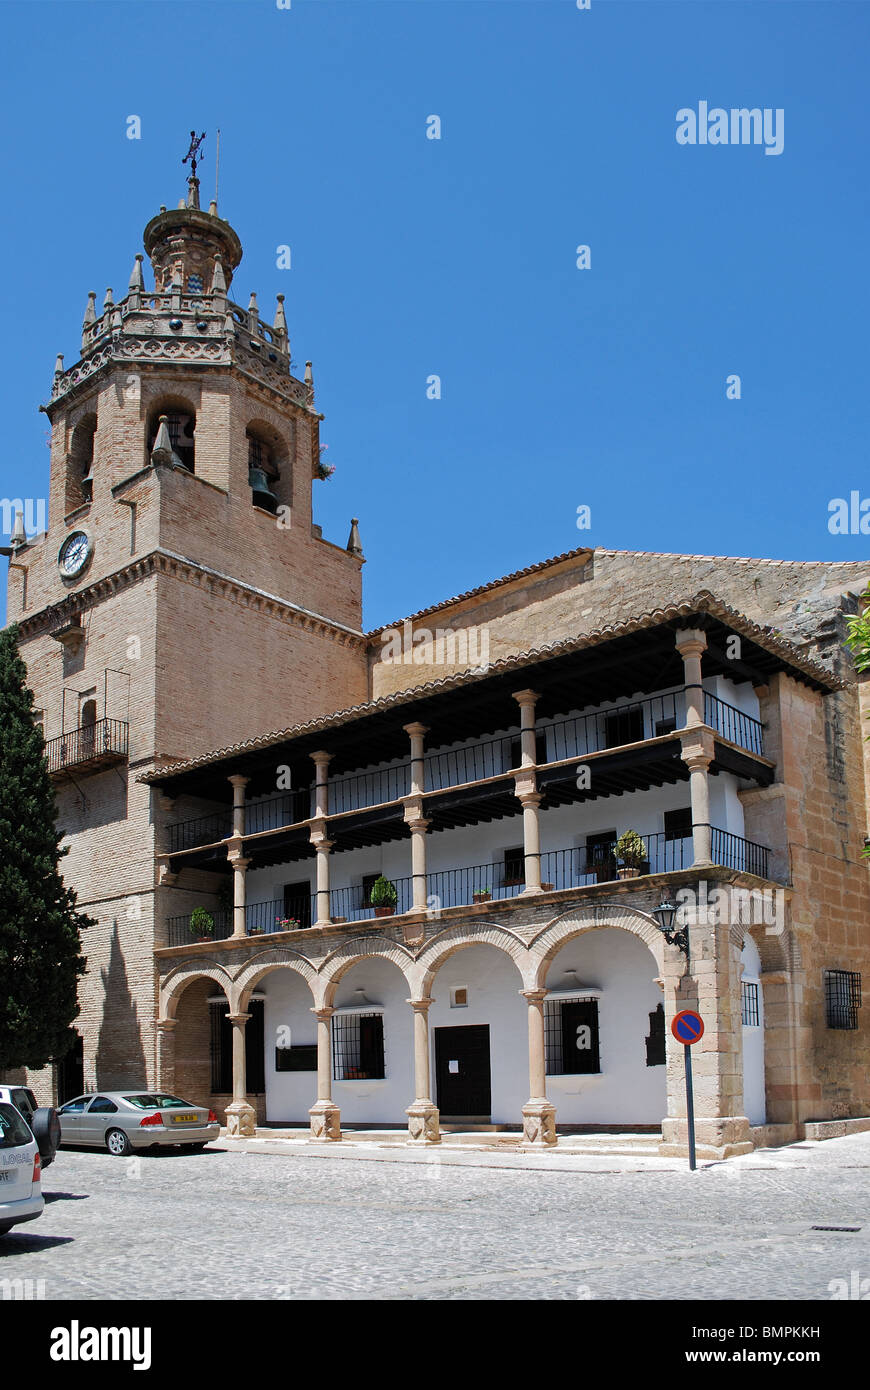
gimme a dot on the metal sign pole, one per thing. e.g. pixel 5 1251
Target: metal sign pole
pixel 690 1105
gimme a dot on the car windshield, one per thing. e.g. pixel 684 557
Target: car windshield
pixel 150 1101
pixel 13 1130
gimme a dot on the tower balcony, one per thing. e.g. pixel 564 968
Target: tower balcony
pixel 89 748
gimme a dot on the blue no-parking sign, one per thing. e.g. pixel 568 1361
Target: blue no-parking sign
pixel 687 1027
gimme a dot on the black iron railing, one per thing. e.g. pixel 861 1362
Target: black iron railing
pixel 203 830
pixel 614 728
pixel 105 740
pixel 180 933
pixel 353 903
pixel 369 788
pixel 733 852
pixel 479 883
pixel 287 809
pixel 733 724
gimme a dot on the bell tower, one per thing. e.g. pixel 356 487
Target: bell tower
pixel 183 597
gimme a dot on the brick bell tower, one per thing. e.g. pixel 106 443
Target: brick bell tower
pixel 182 598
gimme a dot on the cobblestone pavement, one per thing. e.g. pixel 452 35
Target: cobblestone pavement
pixel 245 1224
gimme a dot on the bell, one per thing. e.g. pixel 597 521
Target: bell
pixel 88 483
pixel 264 497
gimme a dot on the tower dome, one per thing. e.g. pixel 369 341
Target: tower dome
pixel 184 244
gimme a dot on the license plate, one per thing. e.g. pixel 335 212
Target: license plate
pixel 6 1175
pixel 184 1119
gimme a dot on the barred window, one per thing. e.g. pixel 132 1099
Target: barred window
pixel 842 998
pixel 749 1004
pixel 571 1037
pixel 358 1047
pixel 221 1048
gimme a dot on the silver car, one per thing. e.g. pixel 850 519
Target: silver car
pixel 122 1121
pixel 21 1196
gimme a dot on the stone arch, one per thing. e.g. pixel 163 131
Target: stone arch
pixel 263 964
pixel 578 920
pixel 439 948
pixel 173 985
pixel 350 953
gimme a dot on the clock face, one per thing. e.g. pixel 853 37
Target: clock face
pixel 74 554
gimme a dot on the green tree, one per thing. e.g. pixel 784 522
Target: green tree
pixel 40 925
pixel 859 634
pixel 858 642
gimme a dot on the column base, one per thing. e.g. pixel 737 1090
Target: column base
pixel 530 892
pixel 423 1123
pixel 325 1122
pixel 241 1120
pixel 723 1137
pixel 539 1125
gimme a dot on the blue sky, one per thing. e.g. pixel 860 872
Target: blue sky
pixel 411 257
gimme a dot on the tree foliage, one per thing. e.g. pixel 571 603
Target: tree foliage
pixel 40 924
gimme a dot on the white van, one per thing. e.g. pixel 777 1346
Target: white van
pixel 21 1196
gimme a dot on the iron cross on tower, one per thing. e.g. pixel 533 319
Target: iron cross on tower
pixel 193 151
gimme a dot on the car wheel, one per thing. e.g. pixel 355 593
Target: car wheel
pixel 45 1125
pixel 7 1226
pixel 117 1143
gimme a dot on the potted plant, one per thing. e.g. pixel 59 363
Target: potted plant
pixel 631 853
pixel 482 895
pixel 322 469
pixel 287 923
pixel 383 897
pixel 201 924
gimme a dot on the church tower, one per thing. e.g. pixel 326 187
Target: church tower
pixel 182 597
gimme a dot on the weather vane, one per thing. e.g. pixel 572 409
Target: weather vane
pixel 193 151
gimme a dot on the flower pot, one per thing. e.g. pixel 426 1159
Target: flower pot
pixel 203 940
pixel 547 887
pixel 386 911
pixel 481 897
pixel 628 873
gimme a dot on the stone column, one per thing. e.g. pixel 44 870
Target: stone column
pixel 539 1114
pixel 321 762
pixel 526 699
pixel 526 790
pixel 416 732
pixel 325 1117
pixel 166 1054
pixel 241 1115
pixel 322 847
pixel 238 784
pixel 423 1114
pixel 418 826
pixel 240 868
pixel 710 983
pixel 691 644
pixel 697 750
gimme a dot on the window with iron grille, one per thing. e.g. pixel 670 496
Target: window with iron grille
pixel 842 998
pixel 749 1004
pixel 222 1049
pixel 655 1043
pixel 571 1037
pixel 358 1047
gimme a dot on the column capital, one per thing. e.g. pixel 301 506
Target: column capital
pixel 238 1019
pixel 526 697
pixel 529 797
pixel 691 641
pixel 535 996
pixel 321 758
pixel 237 779
pixel 420 1006
pixel 238 860
pixel 416 729
pixel 166 1025
pixel 321 844
pixel 697 748
pixel 324 1014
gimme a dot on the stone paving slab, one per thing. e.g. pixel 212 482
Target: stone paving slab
pixel 246 1223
